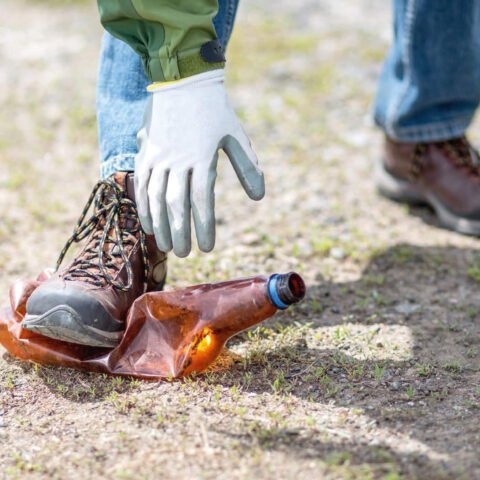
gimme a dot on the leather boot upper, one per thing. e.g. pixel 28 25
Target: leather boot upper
pixel 448 170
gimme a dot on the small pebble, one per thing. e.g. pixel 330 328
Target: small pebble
pixel 407 308
pixel 337 253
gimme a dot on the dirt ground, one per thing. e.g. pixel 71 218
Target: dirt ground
pixel 375 376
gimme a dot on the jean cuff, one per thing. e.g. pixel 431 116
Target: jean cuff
pixel 432 132
pixel 119 163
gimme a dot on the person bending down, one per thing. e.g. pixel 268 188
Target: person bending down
pixel 163 115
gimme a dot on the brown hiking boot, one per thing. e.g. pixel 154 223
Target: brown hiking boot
pixel 86 302
pixel 444 175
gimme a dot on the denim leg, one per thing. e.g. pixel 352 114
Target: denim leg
pixel 225 20
pixel 122 95
pixel 430 84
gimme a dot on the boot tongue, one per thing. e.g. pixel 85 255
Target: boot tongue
pixel 125 180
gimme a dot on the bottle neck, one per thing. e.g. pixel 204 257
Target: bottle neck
pixel 285 289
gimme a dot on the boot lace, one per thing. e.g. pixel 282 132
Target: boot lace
pixel 463 154
pixel 459 150
pixel 115 227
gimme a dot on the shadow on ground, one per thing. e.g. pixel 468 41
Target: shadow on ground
pixel 425 387
pixel 430 395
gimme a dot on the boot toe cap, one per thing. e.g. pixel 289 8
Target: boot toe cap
pixel 66 312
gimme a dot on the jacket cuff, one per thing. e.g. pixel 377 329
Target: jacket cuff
pixel 208 57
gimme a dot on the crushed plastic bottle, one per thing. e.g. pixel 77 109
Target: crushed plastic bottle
pixel 168 334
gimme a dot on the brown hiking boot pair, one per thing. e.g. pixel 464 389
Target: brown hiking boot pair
pixel 87 301
pixel 444 175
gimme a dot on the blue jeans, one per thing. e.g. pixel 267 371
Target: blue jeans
pixel 122 95
pixel 430 84
pixel 428 90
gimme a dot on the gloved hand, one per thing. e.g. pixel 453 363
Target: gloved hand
pixel 186 123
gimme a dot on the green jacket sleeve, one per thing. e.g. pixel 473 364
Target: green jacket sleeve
pixel 175 38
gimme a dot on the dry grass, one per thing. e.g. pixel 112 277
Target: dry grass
pixel 375 376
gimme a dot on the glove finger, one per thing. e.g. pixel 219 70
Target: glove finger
pixel 157 189
pixel 202 194
pixel 142 178
pixel 245 163
pixel 178 207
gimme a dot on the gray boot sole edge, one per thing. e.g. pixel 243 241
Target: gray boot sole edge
pixel 64 323
pixel 401 191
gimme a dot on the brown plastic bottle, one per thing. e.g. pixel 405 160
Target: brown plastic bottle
pixel 168 334
pixel 183 331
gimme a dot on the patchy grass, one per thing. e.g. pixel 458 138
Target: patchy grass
pixel 373 376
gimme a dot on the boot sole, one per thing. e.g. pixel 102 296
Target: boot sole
pixel 402 191
pixel 64 323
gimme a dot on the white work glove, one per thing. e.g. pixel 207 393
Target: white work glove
pixel 185 125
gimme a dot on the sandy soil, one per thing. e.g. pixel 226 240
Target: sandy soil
pixel 375 375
